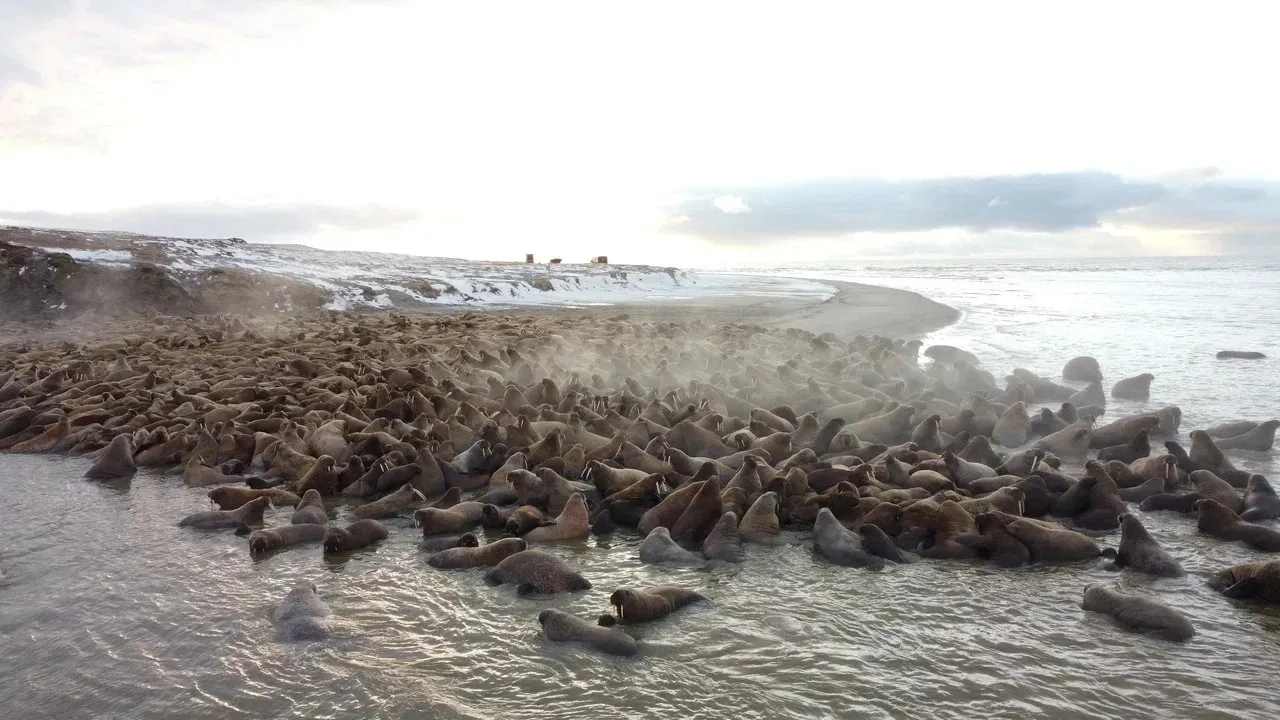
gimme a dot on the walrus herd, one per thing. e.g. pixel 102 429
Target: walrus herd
pixel 526 431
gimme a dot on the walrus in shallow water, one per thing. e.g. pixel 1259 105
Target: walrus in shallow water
pixel 840 545
pixel 1213 487
pixel 876 542
pixel 637 605
pixel 310 510
pixel 995 543
pixel 949 523
pixel 1217 520
pixel 560 626
pixel 1254 580
pixel 1138 614
pixel 268 539
pixel 724 542
pixel 227 497
pixel 571 524
pixel 1049 545
pixel 535 572
pixel 659 549
pixel 302 615
pixel 391 505
pixel 1260 500
pixel 1137 387
pixel 469 557
pixel 248 514
pixel 1137 448
pixel 1206 455
pixel 1259 439
pixel 358 534
pixel 115 462
pixel 700 516
pixel 1082 369
pixel 760 523
pixel 1139 551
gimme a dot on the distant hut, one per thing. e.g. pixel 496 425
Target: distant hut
pixel 528 258
pixel 555 261
pixel 601 259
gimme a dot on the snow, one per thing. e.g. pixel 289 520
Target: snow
pixel 382 280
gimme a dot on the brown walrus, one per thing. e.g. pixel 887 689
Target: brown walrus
pixel 1258 580
pixel 560 626
pixel 1048 545
pixel 1140 551
pixel 1138 614
pixel 248 514
pixel 358 534
pixel 1217 520
pixel 115 462
pixel 536 572
pixel 636 605
pixel 310 510
pixel 227 497
pixel 275 538
pixel 391 505
pixel 573 523
pixel 483 556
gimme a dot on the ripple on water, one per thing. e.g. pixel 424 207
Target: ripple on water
pixel 110 609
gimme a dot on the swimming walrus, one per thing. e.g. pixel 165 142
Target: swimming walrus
pixel 1138 614
pixel 658 548
pixel 358 534
pixel 115 462
pixel 536 572
pixel 560 626
pixel 1254 580
pixel 1139 551
pixel 268 539
pixel 636 605
pixel 309 510
pixel 302 615
pixel 248 514
pixel 483 556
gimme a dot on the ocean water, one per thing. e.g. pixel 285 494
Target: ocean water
pixel 109 610
pixel 1165 316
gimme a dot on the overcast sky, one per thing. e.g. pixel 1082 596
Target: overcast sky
pixel 685 133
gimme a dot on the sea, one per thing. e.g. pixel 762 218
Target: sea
pixel 107 610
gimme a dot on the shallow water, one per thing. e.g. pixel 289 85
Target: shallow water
pixel 107 609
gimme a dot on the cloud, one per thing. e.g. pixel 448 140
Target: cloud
pixel 1026 206
pixel 253 223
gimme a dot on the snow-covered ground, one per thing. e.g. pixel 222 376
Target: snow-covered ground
pixel 368 279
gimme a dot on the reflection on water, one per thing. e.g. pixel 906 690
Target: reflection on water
pixel 109 609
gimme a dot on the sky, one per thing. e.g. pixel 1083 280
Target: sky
pixel 694 134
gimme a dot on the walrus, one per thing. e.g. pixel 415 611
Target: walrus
pixel 1013 429
pixel 995 542
pixel 1260 500
pixel 227 497
pixel 1153 486
pixel 949 523
pixel 275 538
pixel 637 605
pixel 1252 580
pixel 1082 369
pixel 658 548
pixel 436 543
pixel 1048 545
pixel 358 534
pixel 310 510
pixel 391 505
pixel 1231 429
pixel 115 462
pixel 536 572
pixel 484 556
pixel 198 474
pixel 700 515
pixel 1121 431
pixel 1206 455
pixel 760 523
pixel 573 523
pixel 1138 550
pixel 248 514
pixel 457 519
pixel 1259 439
pixel 840 545
pixel 1138 614
pixel 1217 520
pixel 302 615
pixel 979 450
pixel 1138 447
pixel 1137 387
pixel 560 626
pixel 1172 502
pixel 724 542
pixel 1021 463
pixel 888 428
pixel 523 519
pixel 666 512
pixel 1215 488
pixel 1070 442
pixel 876 542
